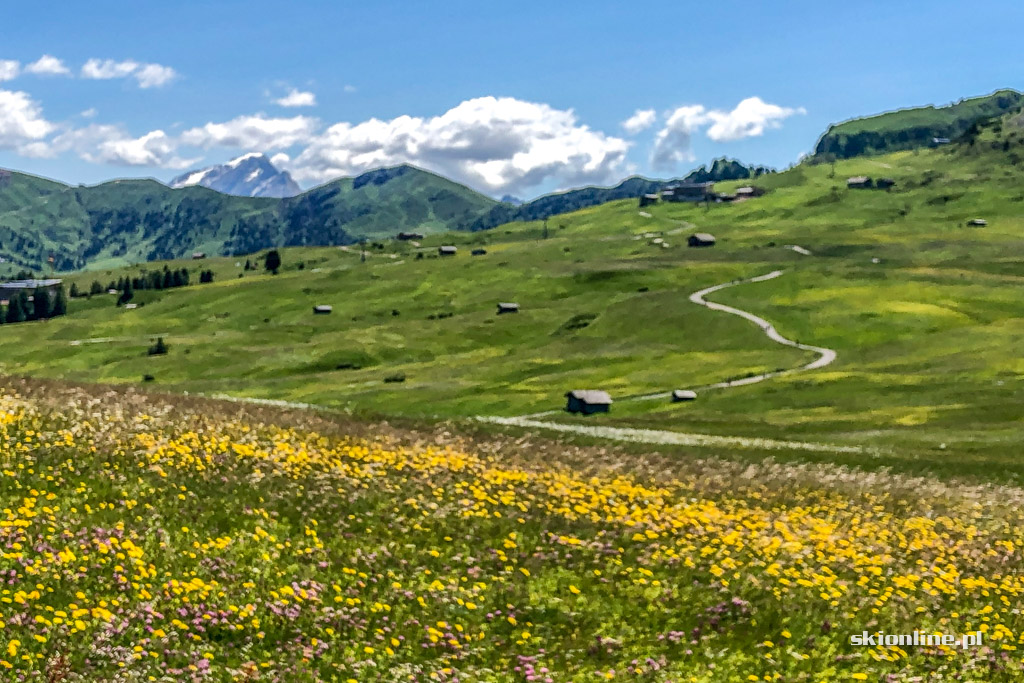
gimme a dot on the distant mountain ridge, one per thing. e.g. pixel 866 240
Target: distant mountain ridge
pixel 250 175
pixel 913 127
pixel 129 221
pixel 563 202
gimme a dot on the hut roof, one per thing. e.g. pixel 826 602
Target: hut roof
pixel 704 236
pixel 684 395
pixel 591 396
pixel 30 284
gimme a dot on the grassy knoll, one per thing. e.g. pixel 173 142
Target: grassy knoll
pixel 924 312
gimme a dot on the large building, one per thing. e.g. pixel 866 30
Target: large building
pixel 689 192
pixel 12 288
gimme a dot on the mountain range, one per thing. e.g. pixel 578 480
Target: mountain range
pixel 250 175
pixel 128 221
pixel 225 209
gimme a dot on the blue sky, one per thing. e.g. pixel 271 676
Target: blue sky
pixel 522 97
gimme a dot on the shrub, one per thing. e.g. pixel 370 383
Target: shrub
pixel 395 378
pixel 158 349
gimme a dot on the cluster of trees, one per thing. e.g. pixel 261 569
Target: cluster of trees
pixel 39 305
pixel 166 279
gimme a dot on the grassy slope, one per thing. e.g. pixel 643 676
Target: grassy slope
pixel 913 127
pixel 928 337
pixel 968 109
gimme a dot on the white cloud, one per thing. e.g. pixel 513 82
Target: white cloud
pixel 89 113
pixel 750 118
pixel 48 65
pixel 152 149
pixel 349 88
pixel 154 75
pixel 108 68
pixel 672 143
pixel 497 144
pixel 108 144
pixel 253 132
pixel 296 98
pixel 641 120
pixel 21 120
pixel 9 69
pixel 147 75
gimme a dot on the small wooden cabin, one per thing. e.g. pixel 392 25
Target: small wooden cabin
pixel 508 307
pixel 701 239
pixel 588 401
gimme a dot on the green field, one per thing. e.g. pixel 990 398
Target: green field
pixel 925 313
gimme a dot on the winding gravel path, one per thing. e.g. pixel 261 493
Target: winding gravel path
pixel 825 357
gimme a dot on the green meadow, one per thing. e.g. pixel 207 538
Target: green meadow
pixel 924 312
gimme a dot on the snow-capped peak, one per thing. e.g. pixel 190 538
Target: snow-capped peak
pixel 234 163
pixel 250 175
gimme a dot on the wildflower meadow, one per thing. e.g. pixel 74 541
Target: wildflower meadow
pixel 149 538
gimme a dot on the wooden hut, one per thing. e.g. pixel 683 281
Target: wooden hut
pixel 588 401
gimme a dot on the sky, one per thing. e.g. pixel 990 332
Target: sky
pixel 509 98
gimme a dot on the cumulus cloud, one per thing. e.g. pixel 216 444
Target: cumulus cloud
pixel 110 144
pixel 641 120
pixel 21 120
pixel 497 144
pixel 147 75
pixel 750 118
pixel 152 149
pixel 672 143
pixel 108 68
pixel 154 75
pixel 253 132
pixel 48 65
pixel 297 98
pixel 9 69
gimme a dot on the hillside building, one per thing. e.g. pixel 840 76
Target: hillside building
pixel 701 239
pixel 447 250
pixel 14 287
pixel 508 307
pixel 859 182
pixel 689 192
pixel 588 401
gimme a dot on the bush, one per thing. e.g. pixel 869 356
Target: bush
pixel 395 378
pixel 148 378
pixel 158 349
